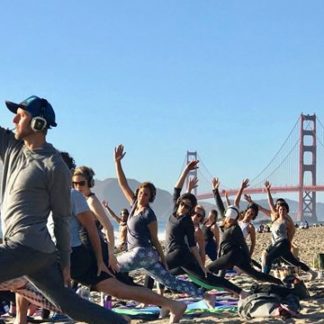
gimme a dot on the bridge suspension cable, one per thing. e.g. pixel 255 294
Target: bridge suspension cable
pixel 257 180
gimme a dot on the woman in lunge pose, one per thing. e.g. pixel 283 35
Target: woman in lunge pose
pixel 182 254
pixel 84 258
pixel 144 249
pixel 282 230
pixel 233 248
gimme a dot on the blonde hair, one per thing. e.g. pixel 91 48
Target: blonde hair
pixel 87 172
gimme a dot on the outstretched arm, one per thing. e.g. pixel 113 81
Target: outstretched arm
pixel 265 211
pixel 111 212
pixel 244 184
pixel 122 181
pixel 192 165
pixel 218 199
pixel 192 184
pixel 267 186
pixel 228 202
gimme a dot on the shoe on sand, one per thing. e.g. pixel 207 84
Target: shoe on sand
pixel 312 275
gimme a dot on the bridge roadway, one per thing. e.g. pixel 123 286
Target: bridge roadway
pixel 274 189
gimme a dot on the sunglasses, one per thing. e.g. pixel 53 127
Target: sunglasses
pixel 183 204
pixel 79 183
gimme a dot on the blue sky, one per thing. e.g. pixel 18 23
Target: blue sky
pixel 226 78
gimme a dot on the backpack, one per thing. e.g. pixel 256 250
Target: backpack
pixel 258 305
pixel 264 304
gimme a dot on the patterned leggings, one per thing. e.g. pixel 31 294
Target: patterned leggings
pixel 148 259
pixel 26 289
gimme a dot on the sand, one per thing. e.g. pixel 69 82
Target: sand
pixel 309 242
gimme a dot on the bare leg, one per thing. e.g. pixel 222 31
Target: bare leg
pixel 22 305
pixel 118 289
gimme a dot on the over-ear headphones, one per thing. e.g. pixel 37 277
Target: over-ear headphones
pixel 89 174
pixel 39 123
pixel 151 188
pixel 86 172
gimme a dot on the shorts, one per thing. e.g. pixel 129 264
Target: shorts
pixel 84 266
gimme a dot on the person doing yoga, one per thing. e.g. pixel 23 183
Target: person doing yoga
pixel 233 248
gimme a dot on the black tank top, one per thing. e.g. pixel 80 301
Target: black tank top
pixel 208 234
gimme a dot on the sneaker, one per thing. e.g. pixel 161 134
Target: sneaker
pixel 312 275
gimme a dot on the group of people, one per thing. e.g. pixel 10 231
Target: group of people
pixel 56 230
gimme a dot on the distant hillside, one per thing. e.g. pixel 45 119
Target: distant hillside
pixel 109 190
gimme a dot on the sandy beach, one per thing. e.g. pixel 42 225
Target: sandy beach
pixel 309 242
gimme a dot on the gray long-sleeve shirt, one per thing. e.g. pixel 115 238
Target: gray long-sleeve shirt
pixel 35 183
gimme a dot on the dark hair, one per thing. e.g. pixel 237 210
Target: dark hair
pixel 279 200
pixel 190 197
pixel 283 204
pixel 215 213
pixel 125 211
pixel 150 186
pixel 68 159
pixel 255 207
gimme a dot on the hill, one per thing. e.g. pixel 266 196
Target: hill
pixel 109 190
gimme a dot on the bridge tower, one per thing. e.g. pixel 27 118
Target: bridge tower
pixel 307 168
pixel 191 156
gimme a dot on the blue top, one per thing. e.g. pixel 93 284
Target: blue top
pixel 138 234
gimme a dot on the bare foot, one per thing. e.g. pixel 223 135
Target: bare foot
pixel 210 300
pixel 177 310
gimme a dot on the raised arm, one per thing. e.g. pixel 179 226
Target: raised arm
pixel 228 202
pixel 111 212
pixel 192 184
pixel 218 199
pixel 267 186
pixel 122 181
pixel 244 184
pixel 265 211
pixel 192 165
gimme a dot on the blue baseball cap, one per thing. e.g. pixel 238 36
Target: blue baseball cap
pixel 36 107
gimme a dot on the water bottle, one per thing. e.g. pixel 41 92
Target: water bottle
pixel 108 302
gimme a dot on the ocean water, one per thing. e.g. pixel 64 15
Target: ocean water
pixel 161 235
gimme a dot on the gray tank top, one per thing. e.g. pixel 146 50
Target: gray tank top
pixel 278 231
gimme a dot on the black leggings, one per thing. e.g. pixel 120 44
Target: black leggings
pixel 235 257
pixel 282 249
pixel 182 261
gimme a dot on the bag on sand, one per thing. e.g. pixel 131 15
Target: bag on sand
pixel 268 305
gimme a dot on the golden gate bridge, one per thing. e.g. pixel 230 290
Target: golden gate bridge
pixel 297 158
